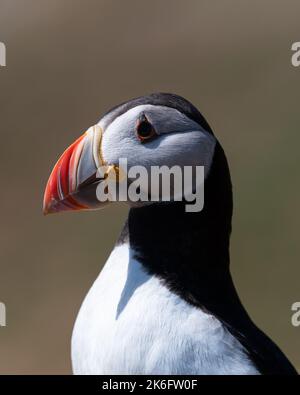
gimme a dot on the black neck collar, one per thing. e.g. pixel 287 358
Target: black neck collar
pixel 190 251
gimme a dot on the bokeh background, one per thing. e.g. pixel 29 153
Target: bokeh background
pixel 68 61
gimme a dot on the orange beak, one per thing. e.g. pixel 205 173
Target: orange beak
pixel 73 181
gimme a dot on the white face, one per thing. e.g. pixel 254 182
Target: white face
pixel 178 140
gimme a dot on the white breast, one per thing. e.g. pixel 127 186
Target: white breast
pixel 130 323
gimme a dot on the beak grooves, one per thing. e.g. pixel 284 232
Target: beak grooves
pixel 62 181
pixel 71 184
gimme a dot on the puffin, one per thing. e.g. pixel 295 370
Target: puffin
pixel 164 302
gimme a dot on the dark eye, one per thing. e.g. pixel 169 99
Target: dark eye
pixel 144 129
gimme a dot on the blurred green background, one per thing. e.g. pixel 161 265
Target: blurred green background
pixel 67 62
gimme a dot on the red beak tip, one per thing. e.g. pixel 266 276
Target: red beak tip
pixel 47 210
pixel 50 206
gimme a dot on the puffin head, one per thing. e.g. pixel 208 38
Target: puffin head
pixel 160 129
